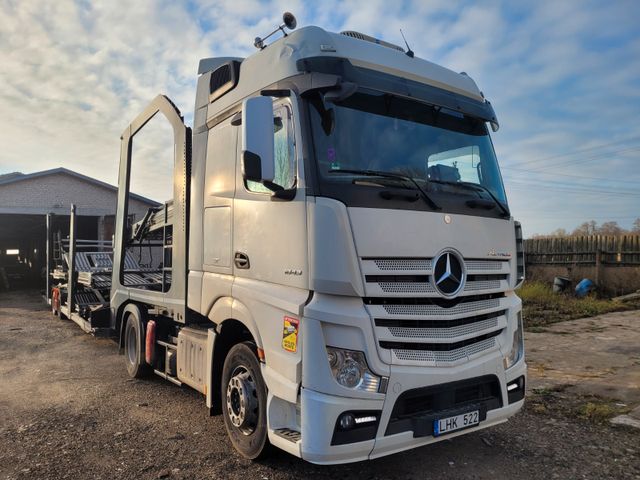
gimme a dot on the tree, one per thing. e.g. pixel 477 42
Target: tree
pixel 610 228
pixel 559 232
pixel 587 228
pixel 636 226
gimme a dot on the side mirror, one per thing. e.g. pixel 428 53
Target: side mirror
pixel 258 163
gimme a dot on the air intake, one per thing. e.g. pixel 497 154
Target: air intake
pixel 367 38
pixel 223 79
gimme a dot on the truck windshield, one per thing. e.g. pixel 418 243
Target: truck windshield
pixel 442 150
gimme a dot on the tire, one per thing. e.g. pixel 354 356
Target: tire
pixel 134 347
pixel 244 402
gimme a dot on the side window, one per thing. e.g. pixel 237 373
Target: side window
pixel 284 146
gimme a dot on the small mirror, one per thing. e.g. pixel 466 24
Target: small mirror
pixel 257 139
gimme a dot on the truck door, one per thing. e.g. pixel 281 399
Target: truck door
pixel 269 234
pixel 219 189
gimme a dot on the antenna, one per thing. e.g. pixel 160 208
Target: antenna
pixel 409 52
pixel 288 20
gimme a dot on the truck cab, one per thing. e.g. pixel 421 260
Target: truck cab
pixel 338 261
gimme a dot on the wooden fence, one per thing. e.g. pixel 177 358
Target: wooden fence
pixel 593 250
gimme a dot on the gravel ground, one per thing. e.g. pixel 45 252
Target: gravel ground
pixel 69 410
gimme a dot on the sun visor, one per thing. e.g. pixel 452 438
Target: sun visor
pixel 385 82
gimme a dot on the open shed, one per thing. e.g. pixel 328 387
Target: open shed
pixel 26 200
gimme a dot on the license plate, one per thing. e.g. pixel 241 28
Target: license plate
pixel 457 422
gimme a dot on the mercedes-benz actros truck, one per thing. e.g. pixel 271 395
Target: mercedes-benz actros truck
pixel 336 269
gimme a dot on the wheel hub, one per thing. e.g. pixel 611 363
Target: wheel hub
pixel 242 401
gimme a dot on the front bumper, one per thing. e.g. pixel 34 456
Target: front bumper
pixel 320 412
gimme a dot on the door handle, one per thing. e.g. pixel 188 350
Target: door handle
pixel 241 260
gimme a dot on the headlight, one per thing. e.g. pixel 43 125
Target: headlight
pixel 350 369
pixel 517 347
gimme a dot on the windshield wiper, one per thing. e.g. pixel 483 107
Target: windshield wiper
pixel 477 187
pixel 376 173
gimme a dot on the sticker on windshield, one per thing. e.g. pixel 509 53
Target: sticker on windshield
pixel 290 334
pixel 331 156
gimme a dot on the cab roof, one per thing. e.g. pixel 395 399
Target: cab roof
pixel 279 61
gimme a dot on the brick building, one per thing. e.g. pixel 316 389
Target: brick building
pixel 25 201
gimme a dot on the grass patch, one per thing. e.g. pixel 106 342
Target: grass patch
pixel 541 306
pixel 560 401
pixel 597 411
pixel 545 391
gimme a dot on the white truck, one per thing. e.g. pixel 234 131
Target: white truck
pixel 338 262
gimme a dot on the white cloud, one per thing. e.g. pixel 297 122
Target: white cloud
pixel 562 77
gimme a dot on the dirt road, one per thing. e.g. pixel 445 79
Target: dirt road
pixel 69 410
pixel 597 356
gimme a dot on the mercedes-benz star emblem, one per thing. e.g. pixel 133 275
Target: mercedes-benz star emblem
pixel 448 274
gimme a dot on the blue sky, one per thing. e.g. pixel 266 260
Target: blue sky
pixel 563 76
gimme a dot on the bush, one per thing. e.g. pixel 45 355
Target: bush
pixel 541 306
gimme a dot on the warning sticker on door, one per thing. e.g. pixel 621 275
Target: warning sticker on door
pixel 290 334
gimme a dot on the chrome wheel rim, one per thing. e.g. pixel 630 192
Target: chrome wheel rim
pixel 242 401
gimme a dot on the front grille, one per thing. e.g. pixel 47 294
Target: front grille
pixel 438 330
pixel 403 264
pixel 441 329
pixel 413 276
pixel 483 265
pixel 436 310
pixel 406 287
pixel 463 353
pixel 481 285
pixel 426 287
pixel 418 325
pixel 413 264
pixel 437 347
pixel 417 409
pixel 443 332
pixel 436 324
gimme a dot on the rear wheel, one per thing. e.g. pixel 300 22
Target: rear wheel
pixel 134 347
pixel 244 401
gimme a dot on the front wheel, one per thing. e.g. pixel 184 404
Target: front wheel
pixel 244 401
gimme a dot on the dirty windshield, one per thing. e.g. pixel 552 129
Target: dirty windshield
pixel 385 133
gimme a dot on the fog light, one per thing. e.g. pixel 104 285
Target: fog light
pixel 515 390
pixel 355 426
pixel 367 419
pixel 347 421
